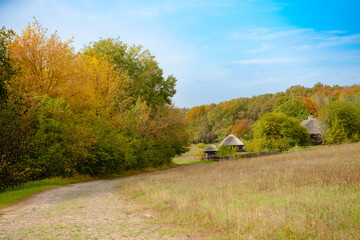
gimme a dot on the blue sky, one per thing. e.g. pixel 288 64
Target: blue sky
pixel 218 50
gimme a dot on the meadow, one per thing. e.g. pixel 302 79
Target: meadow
pixel 312 194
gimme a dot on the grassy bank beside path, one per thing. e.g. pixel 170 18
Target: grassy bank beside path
pixel 298 195
pixel 25 190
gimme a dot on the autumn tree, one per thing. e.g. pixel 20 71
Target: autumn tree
pixel 41 61
pixel 95 85
pixel 242 128
pixel 311 106
pixel 198 124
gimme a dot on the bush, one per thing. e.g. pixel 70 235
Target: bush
pixel 58 141
pixel 226 151
pixel 343 122
pixel 106 157
pixel 200 155
pixel 278 131
pixel 201 145
pixel 15 148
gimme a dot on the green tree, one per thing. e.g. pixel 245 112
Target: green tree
pixel 298 91
pixel 14 148
pixel 292 107
pixel 6 70
pixel 59 142
pixel 259 105
pixel 149 83
pixel 343 121
pixel 336 134
pixel 278 131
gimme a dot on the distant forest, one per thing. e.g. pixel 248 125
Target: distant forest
pixel 336 107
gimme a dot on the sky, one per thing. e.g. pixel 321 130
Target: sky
pixel 217 50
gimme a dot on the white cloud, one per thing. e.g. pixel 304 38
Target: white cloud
pixel 263 48
pixel 147 13
pixel 341 40
pixel 266 61
pixel 257 33
pixel 271 36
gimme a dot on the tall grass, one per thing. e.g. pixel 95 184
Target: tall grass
pixel 311 194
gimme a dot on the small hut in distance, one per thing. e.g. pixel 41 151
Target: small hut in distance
pixel 233 141
pixel 210 151
pixel 313 127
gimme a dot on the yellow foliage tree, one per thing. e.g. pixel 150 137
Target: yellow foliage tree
pixel 41 60
pixel 47 66
pixel 96 85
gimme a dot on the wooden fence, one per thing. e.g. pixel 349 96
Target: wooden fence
pixel 244 155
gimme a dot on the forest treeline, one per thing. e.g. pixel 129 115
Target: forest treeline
pixel 102 110
pixel 272 121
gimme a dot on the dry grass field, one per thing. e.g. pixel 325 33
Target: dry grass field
pixel 312 194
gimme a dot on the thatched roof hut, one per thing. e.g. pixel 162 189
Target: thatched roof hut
pixel 231 140
pixel 313 127
pixel 210 148
pixel 210 152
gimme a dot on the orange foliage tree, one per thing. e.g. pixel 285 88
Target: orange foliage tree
pixel 311 106
pixel 242 127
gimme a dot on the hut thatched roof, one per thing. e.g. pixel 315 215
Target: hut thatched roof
pixel 312 125
pixel 210 148
pixel 231 140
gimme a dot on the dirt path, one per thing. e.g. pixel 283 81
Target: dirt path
pixel 92 210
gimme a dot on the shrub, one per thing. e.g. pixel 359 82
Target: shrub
pixel 15 148
pixel 58 142
pixel 200 155
pixel 201 145
pixel 226 151
pixel 343 122
pixel 278 131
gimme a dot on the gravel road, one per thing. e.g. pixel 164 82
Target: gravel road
pixel 92 210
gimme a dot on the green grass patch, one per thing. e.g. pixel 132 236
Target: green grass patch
pixel 190 157
pixel 298 148
pixel 25 190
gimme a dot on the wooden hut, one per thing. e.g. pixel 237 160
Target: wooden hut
pixel 210 151
pixel 233 141
pixel 312 125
